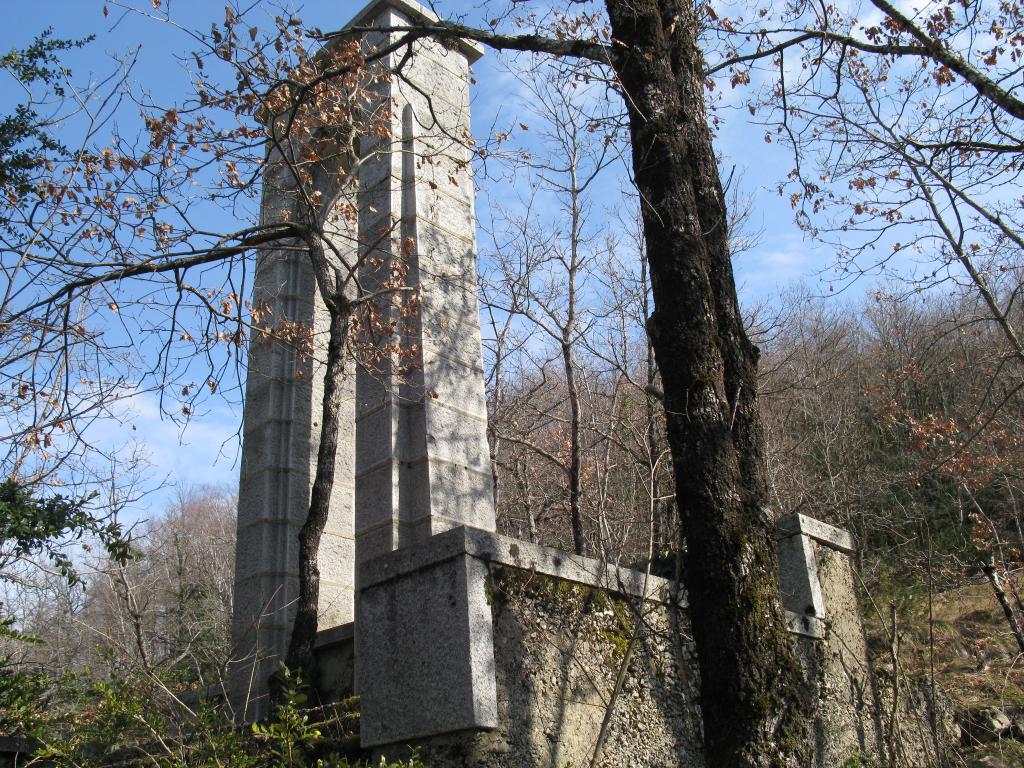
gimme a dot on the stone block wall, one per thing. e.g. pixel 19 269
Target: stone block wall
pixel 547 655
pixel 548 644
pixel 558 649
pixel 848 721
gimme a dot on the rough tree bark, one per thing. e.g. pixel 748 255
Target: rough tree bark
pixel 756 706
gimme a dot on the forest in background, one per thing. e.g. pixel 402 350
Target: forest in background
pixel 895 415
pixel 888 417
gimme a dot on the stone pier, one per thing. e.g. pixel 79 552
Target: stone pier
pixel 423 464
pixel 413 459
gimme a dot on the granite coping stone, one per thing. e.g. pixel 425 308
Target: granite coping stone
pixel 342 633
pixel 823 533
pixel 504 550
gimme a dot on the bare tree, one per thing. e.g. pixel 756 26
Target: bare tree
pixel 116 289
pixel 543 264
pixel 166 614
pixel 905 129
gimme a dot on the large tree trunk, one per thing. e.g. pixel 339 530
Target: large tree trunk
pixel 756 706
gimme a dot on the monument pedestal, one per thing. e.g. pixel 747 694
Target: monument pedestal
pixel 424 645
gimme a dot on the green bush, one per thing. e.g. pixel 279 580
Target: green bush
pixel 101 725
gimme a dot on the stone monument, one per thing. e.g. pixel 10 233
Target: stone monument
pixel 481 649
pixel 413 458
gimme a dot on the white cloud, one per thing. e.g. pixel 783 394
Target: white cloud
pixel 780 261
pixel 202 452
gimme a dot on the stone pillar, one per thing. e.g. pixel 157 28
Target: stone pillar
pixel 819 593
pixel 415 460
pixel 423 638
pixel 798 577
pixel 281 432
pixel 423 464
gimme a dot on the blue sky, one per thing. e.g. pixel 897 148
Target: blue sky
pixel 783 254
pixel 207 451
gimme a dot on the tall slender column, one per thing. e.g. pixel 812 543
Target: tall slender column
pixel 413 460
pixel 424 648
pixel 281 432
pixel 423 464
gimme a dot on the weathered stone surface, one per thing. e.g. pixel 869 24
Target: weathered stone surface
pixel 455 383
pixel 848 719
pixel 423 462
pixel 557 650
pixel 336 603
pixel 505 550
pixel 424 653
pixel 414 620
pixel 836 538
pixel 447 256
pixel 798 577
pixel 423 468
pixel 561 624
pixel 335 654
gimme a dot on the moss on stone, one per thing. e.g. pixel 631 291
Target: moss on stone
pixel 610 616
pixel 619 633
pixel 489 590
pixel 506 581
